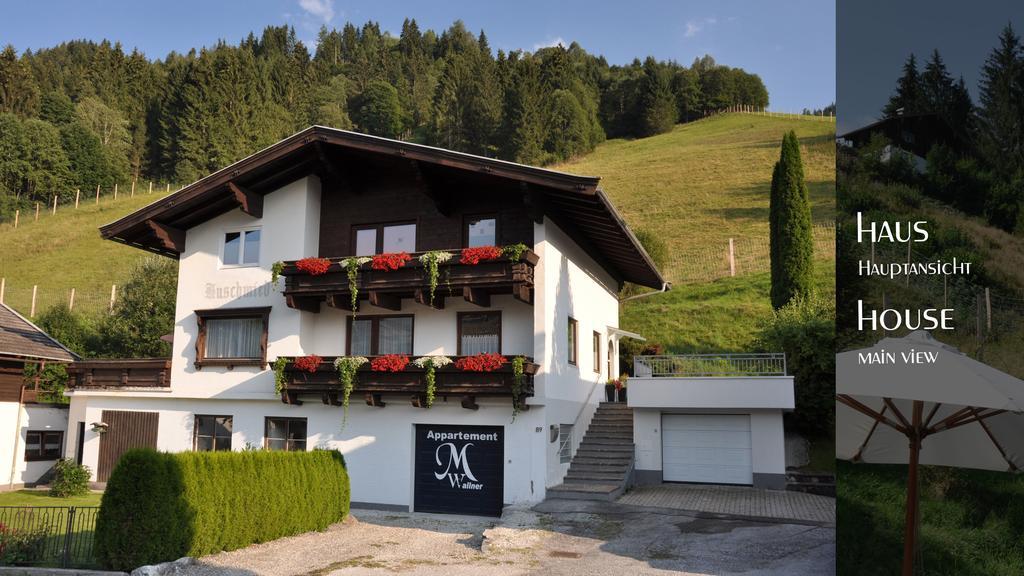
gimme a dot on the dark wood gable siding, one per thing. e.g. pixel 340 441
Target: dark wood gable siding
pixel 370 189
pixel 12 377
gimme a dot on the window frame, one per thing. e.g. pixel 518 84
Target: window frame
pixel 573 342
pixel 481 216
pixel 379 227
pixel 288 420
pixel 458 328
pixel 375 331
pixel 202 316
pixel 195 432
pixel 241 246
pixel 41 455
pixel 597 337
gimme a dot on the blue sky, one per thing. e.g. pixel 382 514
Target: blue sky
pixel 790 44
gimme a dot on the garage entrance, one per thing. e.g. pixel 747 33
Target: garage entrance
pixel 459 469
pixel 706 448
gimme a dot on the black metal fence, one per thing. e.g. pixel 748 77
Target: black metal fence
pixel 56 536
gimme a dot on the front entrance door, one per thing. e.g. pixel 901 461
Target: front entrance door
pixel 125 430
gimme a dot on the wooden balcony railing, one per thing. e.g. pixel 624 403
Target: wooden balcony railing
pixel 411 383
pixel 386 288
pixel 120 373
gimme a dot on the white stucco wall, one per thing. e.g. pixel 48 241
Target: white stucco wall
pixel 34 417
pixel 768 452
pixel 747 392
pixel 569 283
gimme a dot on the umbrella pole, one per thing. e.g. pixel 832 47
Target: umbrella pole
pixel 910 528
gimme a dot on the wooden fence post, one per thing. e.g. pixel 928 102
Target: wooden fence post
pixel 3 286
pixel 77 194
pixel 113 296
pixel 732 258
pixel 37 211
pixel 17 214
pixel 988 311
pixel 133 189
pixel 168 191
pixel 150 187
pixel 97 193
pixel 71 300
pixel 55 204
pixel 115 190
pixel 32 311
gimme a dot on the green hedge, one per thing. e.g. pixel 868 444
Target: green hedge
pixel 160 506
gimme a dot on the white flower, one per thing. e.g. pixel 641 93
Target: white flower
pixel 439 256
pixel 355 260
pixel 355 361
pixel 437 361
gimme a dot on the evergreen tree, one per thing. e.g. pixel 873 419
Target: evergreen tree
pixel 657 105
pixel 378 111
pixel 908 97
pixel 790 241
pixel 1001 105
pixel 19 93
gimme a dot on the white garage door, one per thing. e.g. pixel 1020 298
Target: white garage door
pixel 708 448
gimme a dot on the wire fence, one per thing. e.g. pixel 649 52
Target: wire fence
pixel 53 536
pixel 740 256
pixel 81 198
pixel 758 111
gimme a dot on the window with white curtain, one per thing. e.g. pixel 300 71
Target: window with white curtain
pixel 479 332
pixel 232 336
pixel 374 335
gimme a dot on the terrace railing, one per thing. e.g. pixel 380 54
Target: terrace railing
pixel 51 536
pixel 710 365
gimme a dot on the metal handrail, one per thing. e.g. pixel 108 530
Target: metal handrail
pixel 709 365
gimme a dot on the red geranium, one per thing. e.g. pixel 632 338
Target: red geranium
pixel 389 363
pixel 309 363
pixel 486 362
pixel 313 266
pixel 479 254
pixel 390 261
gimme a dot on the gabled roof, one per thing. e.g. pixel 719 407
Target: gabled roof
pixel 577 201
pixel 21 339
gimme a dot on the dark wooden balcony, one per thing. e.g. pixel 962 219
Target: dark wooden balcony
pixel 386 288
pixel 120 373
pixel 410 383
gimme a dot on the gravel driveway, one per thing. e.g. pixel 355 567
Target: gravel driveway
pixel 559 538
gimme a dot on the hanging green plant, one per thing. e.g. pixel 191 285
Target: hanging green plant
pixel 514 251
pixel 431 263
pixel 517 384
pixel 351 266
pixel 279 380
pixel 347 366
pixel 431 364
pixel 275 272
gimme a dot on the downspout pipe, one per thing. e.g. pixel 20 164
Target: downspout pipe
pixel 664 288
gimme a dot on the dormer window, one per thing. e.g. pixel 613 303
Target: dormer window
pixel 242 248
pixel 370 239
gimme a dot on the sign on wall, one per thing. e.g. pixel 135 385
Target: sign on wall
pixel 459 469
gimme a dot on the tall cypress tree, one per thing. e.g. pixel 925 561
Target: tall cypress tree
pixel 791 245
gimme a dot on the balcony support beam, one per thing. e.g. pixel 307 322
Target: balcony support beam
pixel 423 297
pixel 469 403
pixel 304 304
pixel 384 300
pixel 341 302
pixel 170 238
pixel 374 400
pixel 250 202
pixel 477 296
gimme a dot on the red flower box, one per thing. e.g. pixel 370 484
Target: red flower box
pixel 309 363
pixel 486 362
pixel 313 266
pixel 390 261
pixel 389 363
pixel 480 254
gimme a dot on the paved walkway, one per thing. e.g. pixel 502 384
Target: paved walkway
pixel 736 501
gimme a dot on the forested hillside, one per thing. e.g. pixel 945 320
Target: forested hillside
pixel 83 114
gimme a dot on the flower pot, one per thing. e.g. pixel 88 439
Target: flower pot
pixel 622 395
pixel 609 392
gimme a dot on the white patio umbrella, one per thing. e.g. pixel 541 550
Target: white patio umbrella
pixel 953 411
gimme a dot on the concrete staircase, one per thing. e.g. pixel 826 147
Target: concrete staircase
pixel 604 460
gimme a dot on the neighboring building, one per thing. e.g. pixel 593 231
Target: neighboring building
pixel 334 194
pixel 913 135
pixel 31 432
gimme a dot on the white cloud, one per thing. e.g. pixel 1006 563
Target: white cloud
pixel 694 27
pixel 557 41
pixel 320 9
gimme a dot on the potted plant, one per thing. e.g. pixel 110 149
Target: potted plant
pixel 609 389
pixel 620 387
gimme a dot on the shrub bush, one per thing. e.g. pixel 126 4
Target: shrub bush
pixel 159 506
pixel 70 479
